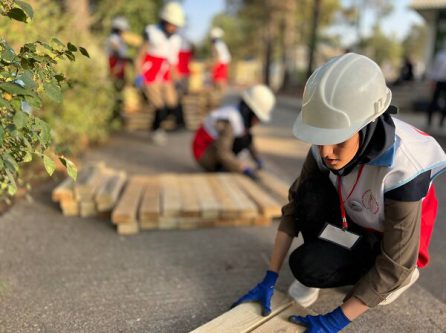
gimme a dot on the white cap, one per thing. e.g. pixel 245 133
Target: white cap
pixel 217 32
pixel 120 23
pixel 260 100
pixel 172 12
pixel 341 97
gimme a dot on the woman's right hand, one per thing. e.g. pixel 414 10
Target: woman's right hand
pixel 262 293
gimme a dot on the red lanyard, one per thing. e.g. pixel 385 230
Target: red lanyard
pixel 341 200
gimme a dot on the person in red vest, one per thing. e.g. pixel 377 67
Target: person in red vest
pixel 364 202
pixel 222 58
pixel 226 131
pixel 157 63
pixel 117 60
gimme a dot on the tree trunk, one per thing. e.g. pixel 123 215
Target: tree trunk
pixel 313 36
pixel 288 40
pixel 79 11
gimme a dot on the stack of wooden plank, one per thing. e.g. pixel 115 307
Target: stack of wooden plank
pixel 96 190
pixel 247 318
pixel 136 114
pixel 186 201
pixel 194 109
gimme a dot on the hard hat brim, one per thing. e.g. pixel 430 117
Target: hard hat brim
pixel 323 136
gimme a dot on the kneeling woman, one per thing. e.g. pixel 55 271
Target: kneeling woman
pixel 227 131
pixel 364 202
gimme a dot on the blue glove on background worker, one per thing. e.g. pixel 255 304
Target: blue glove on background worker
pixel 331 322
pixel 139 81
pixel 262 293
pixel 251 173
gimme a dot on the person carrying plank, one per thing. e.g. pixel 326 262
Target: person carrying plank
pixel 364 202
pixel 156 64
pixel 117 60
pixel 226 131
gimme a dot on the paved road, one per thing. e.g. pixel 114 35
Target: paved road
pixel 77 275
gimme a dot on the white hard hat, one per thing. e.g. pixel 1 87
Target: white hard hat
pixel 341 97
pixel 260 100
pixel 217 32
pixel 120 23
pixel 172 12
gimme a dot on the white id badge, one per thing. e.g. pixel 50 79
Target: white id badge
pixel 338 236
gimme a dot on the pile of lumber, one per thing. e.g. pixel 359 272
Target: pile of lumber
pixel 247 318
pixel 96 190
pixel 172 201
pixel 136 114
pixel 195 109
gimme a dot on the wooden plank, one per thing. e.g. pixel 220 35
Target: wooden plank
pixel 70 207
pixel 278 187
pixel 229 208
pixel 87 182
pixel 268 206
pixel 245 317
pixel 170 201
pixel 127 208
pixel 127 228
pixel 190 205
pixel 88 208
pixel 64 191
pixel 209 205
pixel 280 323
pixel 107 195
pixel 247 208
pixel 150 209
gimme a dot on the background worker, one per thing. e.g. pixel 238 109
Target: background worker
pixel 364 202
pixel 117 60
pixel 157 61
pixel 437 75
pixel 221 59
pixel 227 131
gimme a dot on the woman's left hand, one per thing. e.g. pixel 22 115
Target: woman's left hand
pixel 331 322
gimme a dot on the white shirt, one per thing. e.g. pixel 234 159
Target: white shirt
pixel 229 113
pixel 161 46
pixel 222 52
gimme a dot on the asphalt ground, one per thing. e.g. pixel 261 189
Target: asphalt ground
pixel 60 274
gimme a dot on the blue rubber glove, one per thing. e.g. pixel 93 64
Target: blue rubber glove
pixel 139 81
pixel 259 164
pixel 331 322
pixel 250 173
pixel 262 293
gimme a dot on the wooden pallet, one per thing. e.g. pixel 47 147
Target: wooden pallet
pixel 173 201
pixel 247 318
pixel 96 190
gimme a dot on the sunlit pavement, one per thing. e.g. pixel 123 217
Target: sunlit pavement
pixel 62 274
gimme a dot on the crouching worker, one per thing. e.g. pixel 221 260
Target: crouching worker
pixel 226 131
pixel 364 202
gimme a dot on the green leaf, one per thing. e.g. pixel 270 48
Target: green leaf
pixel 28 157
pixel 59 77
pixel 4 103
pixel 71 47
pixel 71 168
pixel 84 52
pixel 53 91
pixel 27 78
pixel 26 8
pixel 17 14
pixel 34 101
pixel 70 55
pixel 8 55
pixel 20 119
pixel 49 164
pixel 2 135
pixel 13 88
pixel 11 163
pixel 57 41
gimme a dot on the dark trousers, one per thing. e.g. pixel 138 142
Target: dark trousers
pixel 319 263
pixel 440 90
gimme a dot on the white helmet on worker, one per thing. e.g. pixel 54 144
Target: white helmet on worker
pixel 260 100
pixel 340 98
pixel 217 32
pixel 120 23
pixel 173 13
